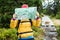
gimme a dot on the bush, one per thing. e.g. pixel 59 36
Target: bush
pixel 38 31
pixel 58 15
pixel 8 34
pixel 58 31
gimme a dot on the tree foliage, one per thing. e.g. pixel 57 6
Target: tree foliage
pixel 7 9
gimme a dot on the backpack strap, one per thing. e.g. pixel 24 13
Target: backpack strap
pixel 19 21
pixel 30 21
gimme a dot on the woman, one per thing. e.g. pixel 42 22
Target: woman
pixel 24 31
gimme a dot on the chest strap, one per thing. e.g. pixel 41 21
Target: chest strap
pixel 24 32
pixel 24 21
pixel 19 21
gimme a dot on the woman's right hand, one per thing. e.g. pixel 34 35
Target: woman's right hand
pixel 14 16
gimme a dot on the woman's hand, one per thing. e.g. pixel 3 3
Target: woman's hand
pixel 14 16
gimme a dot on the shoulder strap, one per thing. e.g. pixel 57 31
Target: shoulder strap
pixel 19 21
pixel 30 21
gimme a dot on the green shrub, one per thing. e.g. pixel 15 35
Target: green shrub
pixel 38 31
pixel 58 15
pixel 8 34
pixel 58 31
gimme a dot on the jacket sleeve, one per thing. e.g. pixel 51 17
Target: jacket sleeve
pixel 36 23
pixel 13 23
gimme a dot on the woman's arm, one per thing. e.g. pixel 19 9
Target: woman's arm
pixel 13 22
pixel 37 21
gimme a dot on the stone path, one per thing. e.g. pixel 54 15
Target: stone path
pixel 49 29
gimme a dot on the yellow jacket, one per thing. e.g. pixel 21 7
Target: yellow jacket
pixel 24 29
